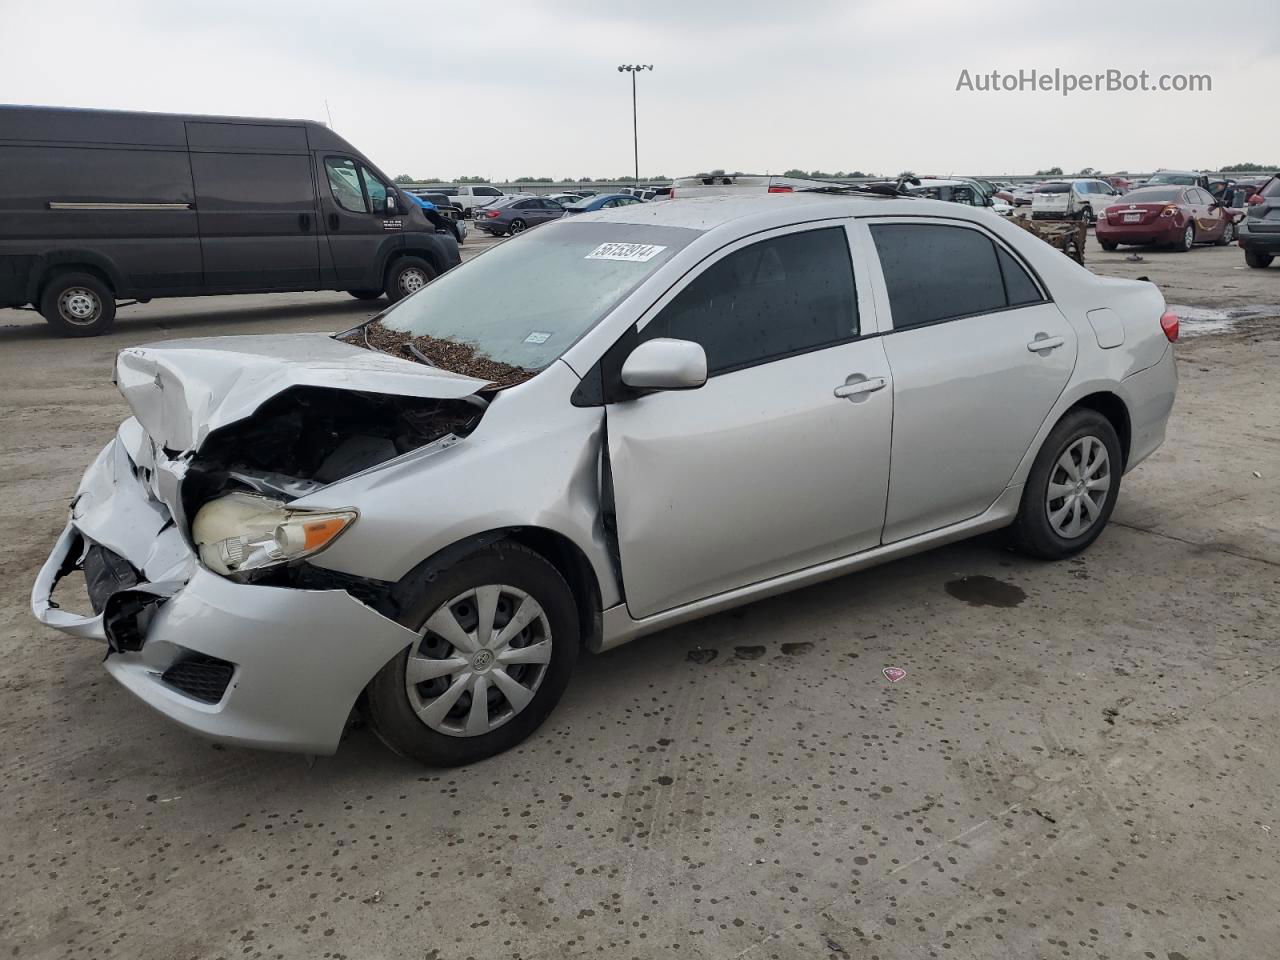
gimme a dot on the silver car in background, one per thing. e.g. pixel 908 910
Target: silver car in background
pixel 615 423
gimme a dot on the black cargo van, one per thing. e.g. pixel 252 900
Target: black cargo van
pixel 100 205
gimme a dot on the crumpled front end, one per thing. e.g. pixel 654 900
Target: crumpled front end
pixel 263 666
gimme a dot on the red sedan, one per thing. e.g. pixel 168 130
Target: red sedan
pixel 1175 216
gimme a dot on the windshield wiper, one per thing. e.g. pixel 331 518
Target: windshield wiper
pixel 412 348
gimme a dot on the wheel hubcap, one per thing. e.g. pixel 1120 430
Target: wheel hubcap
pixel 412 280
pixel 1188 238
pixel 1078 486
pixel 517 227
pixel 480 660
pixel 79 306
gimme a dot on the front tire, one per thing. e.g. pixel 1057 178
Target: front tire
pixel 78 305
pixel 1072 487
pixel 472 686
pixel 407 276
pixel 1258 259
pixel 365 294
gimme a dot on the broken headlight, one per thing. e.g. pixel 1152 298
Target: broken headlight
pixel 243 531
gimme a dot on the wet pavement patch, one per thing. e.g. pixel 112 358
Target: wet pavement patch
pixel 800 646
pixel 748 653
pixel 983 591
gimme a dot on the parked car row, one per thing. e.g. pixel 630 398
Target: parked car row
pixel 512 215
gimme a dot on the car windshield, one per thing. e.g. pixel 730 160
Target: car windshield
pixel 1053 188
pixel 520 305
pixel 1154 195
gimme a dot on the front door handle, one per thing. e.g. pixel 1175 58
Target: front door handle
pixel 857 388
pixel 304 222
pixel 333 221
pixel 1045 343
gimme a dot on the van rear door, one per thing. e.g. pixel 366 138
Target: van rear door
pixel 256 201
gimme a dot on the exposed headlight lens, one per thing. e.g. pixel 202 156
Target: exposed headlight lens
pixel 243 531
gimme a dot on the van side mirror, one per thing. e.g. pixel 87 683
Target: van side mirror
pixel 665 364
pixel 390 206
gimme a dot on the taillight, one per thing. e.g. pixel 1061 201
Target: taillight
pixel 1169 211
pixel 1255 199
pixel 1169 324
pixel 781 189
pixel 491 214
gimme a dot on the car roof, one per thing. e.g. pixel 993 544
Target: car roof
pixel 776 209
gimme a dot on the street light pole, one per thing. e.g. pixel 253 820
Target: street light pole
pixel 633 69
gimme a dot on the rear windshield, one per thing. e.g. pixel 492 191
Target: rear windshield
pixel 1053 188
pixel 1154 195
pixel 1181 179
pixel 1272 189
pixel 526 301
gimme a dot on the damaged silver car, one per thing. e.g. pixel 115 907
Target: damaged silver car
pixel 599 429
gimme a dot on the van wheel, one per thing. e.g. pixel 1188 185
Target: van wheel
pixel 407 276
pixel 365 294
pixel 498 639
pixel 78 305
pixel 1072 487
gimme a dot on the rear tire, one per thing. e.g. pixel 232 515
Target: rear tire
pixel 1188 239
pixel 1228 234
pixel 1072 487
pixel 1256 258
pixel 517 226
pixel 407 276
pixel 78 305
pixel 365 294
pixel 1108 245
pixel 436 720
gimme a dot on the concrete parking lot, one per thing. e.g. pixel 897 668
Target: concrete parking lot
pixel 1080 761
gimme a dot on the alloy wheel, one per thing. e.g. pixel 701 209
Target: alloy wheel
pixel 517 226
pixel 1078 486
pixel 481 659
pixel 79 306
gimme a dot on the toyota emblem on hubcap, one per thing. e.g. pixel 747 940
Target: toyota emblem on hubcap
pixel 483 660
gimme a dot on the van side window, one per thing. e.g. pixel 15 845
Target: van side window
pixel 375 189
pixel 344 181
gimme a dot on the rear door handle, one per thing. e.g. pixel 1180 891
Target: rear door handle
pixel 333 221
pixel 1045 343
pixel 304 221
pixel 857 388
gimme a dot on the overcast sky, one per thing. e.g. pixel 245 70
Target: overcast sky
pixel 502 90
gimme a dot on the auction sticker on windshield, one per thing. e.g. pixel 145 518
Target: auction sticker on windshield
pixel 630 252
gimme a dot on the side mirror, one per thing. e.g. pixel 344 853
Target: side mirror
pixel 390 205
pixel 666 364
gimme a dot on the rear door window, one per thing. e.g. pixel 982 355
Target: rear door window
pixel 773 299
pixel 935 272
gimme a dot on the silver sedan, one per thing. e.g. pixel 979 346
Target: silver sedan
pixel 607 426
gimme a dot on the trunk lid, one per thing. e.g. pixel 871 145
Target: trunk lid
pixel 1143 213
pixel 183 390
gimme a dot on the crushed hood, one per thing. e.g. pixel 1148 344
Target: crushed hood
pixel 182 390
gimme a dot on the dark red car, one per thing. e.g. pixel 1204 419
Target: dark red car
pixel 1174 216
